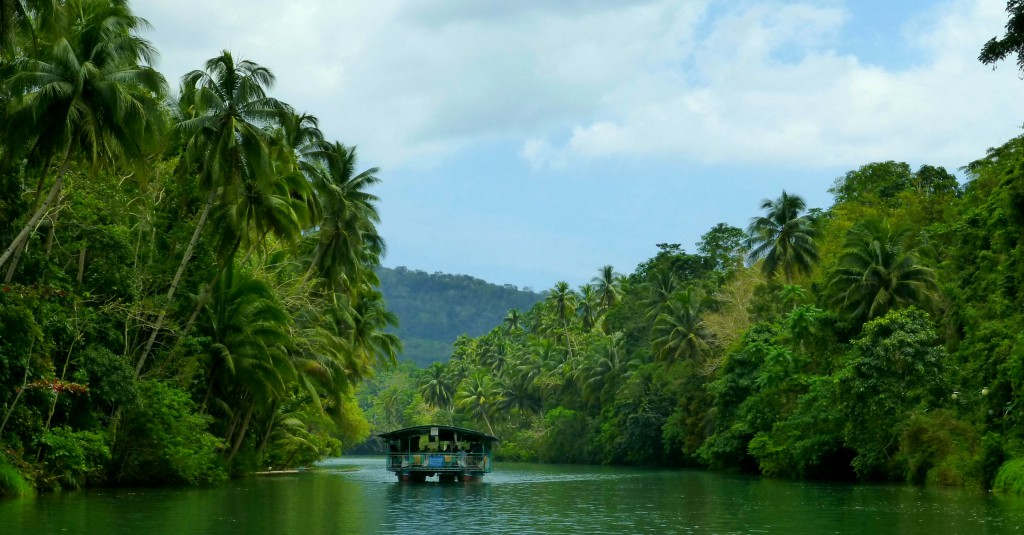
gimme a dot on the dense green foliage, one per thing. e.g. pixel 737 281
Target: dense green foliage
pixel 190 291
pixel 188 280
pixel 876 340
pixel 434 309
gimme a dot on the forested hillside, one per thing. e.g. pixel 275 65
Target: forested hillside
pixel 433 309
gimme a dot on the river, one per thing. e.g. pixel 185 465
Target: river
pixel 356 495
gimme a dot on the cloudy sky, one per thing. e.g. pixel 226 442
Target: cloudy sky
pixel 526 142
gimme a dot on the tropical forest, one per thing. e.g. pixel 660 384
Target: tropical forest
pixel 191 293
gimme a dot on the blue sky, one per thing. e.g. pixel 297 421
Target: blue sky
pixel 535 141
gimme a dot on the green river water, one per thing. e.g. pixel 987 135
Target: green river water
pixel 356 495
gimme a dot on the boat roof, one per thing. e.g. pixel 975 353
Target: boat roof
pixel 445 432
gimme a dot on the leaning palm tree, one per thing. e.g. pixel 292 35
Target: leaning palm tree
pixel 348 238
pixel 880 270
pixel 783 238
pixel 225 109
pixel 249 367
pixel 90 90
pixel 368 337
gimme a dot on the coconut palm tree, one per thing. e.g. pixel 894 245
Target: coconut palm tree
pixel 517 392
pixel 610 364
pixel 662 285
pixel 588 307
pixel 513 320
pixel 436 388
pixel 783 238
pixel 348 239
pixel 90 91
pixel 248 356
pixel 678 333
pixel 225 109
pixel 367 335
pixel 563 301
pixel 880 270
pixel 608 286
pixel 478 395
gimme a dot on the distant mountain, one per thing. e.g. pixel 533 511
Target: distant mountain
pixel 435 308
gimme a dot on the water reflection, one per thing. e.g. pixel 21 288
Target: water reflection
pixel 358 496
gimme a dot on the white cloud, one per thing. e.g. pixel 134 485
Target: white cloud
pixel 824 108
pixel 763 83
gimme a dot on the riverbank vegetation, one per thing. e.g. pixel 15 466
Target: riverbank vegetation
pixel 189 292
pixel 878 339
pixel 188 285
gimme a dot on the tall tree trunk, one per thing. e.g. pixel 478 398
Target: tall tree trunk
pixel 40 184
pixel 487 421
pixel 14 263
pixel 53 226
pixel 316 260
pixel 204 296
pixel 175 282
pixel 270 429
pixel 81 266
pixel 241 432
pixel 22 236
pixel 24 383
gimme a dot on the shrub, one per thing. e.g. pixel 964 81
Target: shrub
pixel 936 448
pixel 1010 477
pixel 75 459
pixel 164 440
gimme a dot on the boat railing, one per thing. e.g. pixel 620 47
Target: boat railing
pixel 441 462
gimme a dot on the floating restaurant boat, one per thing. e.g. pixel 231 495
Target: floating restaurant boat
pixel 448 452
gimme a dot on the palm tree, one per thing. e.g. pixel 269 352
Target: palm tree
pixel 225 109
pixel 880 270
pixel 588 307
pixel 324 355
pixel 495 353
pixel 348 238
pixel 269 204
pixel 248 355
pixel 517 392
pixel 88 90
pixel 24 23
pixel 563 299
pixel 782 238
pixel 478 395
pixel 610 364
pixel 436 388
pixel 608 285
pixel 678 333
pixel 662 285
pixel 513 320
pixel 367 336
pixel 539 354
